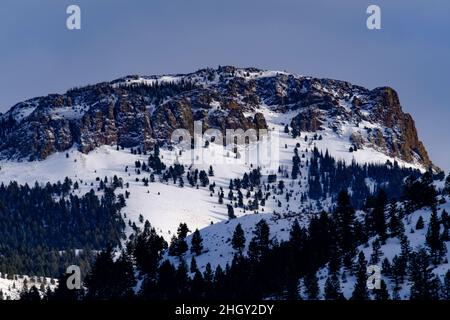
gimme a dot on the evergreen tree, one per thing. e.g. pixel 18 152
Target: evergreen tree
pixel 333 287
pixel 420 193
pixel 421 276
pixel 378 214
pixel 208 277
pixel 398 270
pixel 446 287
pixel 434 240
pixel 420 224
pixel 376 252
pixel 147 248
pixel 360 291
pixel 345 225
pixel 446 190
pixel 125 279
pixel 110 280
pixel 297 236
pixel 312 290
pixel 182 280
pixel 230 210
pixel 197 286
pixel 238 240
pixel 196 243
pixel 62 292
pixel 382 293
pixel 193 267
pixel 396 226
pixel 30 295
pixel 386 267
pixel 178 245
pixel 260 242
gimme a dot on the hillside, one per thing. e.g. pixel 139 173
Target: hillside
pixel 112 144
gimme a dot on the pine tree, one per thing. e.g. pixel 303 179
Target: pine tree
pixel 260 242
pixel 378 215
pixel 398 270
pixel 382 293
pixel 297 236
pixel 345 225
pixel 312 290
pixel 196 243
pixel 420 224
pixel 434 240
pixel 446 287
pixel 386 267
pixel 360 291
pixel 238 240
pixel 197 286
pixel 446 190
pixel 97 282
pixel 333 287
pixel 178 245
pixel 420 193
pixel 421 276
pixel 376 252
pixel 193 268
pixel 446 223
pixel 147 249
pixel 182 280
pixel 230 210
pixel 109 279
pixel 30 295
pixel 208 277
pixel 396 226
pixel 126 281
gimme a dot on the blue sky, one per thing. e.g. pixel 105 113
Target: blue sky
pixel 38 55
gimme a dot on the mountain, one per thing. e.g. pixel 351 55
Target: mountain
pixel 94 168
pixel 138 111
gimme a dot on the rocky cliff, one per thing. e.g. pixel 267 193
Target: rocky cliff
pixel 137 111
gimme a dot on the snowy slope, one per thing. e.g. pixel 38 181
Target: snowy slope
pixel 165 205
pixel 12 286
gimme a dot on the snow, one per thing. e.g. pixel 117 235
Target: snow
pixel 69 112
pixel 23 110
pixel 217 238
pixel 165 205
pixel 12 286
pixel 392 247
pixel 152 80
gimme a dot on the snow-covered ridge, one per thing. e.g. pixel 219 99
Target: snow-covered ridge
pixel 121 113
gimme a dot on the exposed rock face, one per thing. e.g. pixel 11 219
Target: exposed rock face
pixel 140 111
pixel 308 120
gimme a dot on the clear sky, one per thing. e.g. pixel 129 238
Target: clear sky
pixel 411 53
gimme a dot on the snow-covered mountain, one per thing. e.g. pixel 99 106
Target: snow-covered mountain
pixel 109 131
pixel 137 111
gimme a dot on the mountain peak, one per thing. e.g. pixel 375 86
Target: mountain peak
pixel 138 111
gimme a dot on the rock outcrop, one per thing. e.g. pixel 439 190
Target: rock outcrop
pixel 139 111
